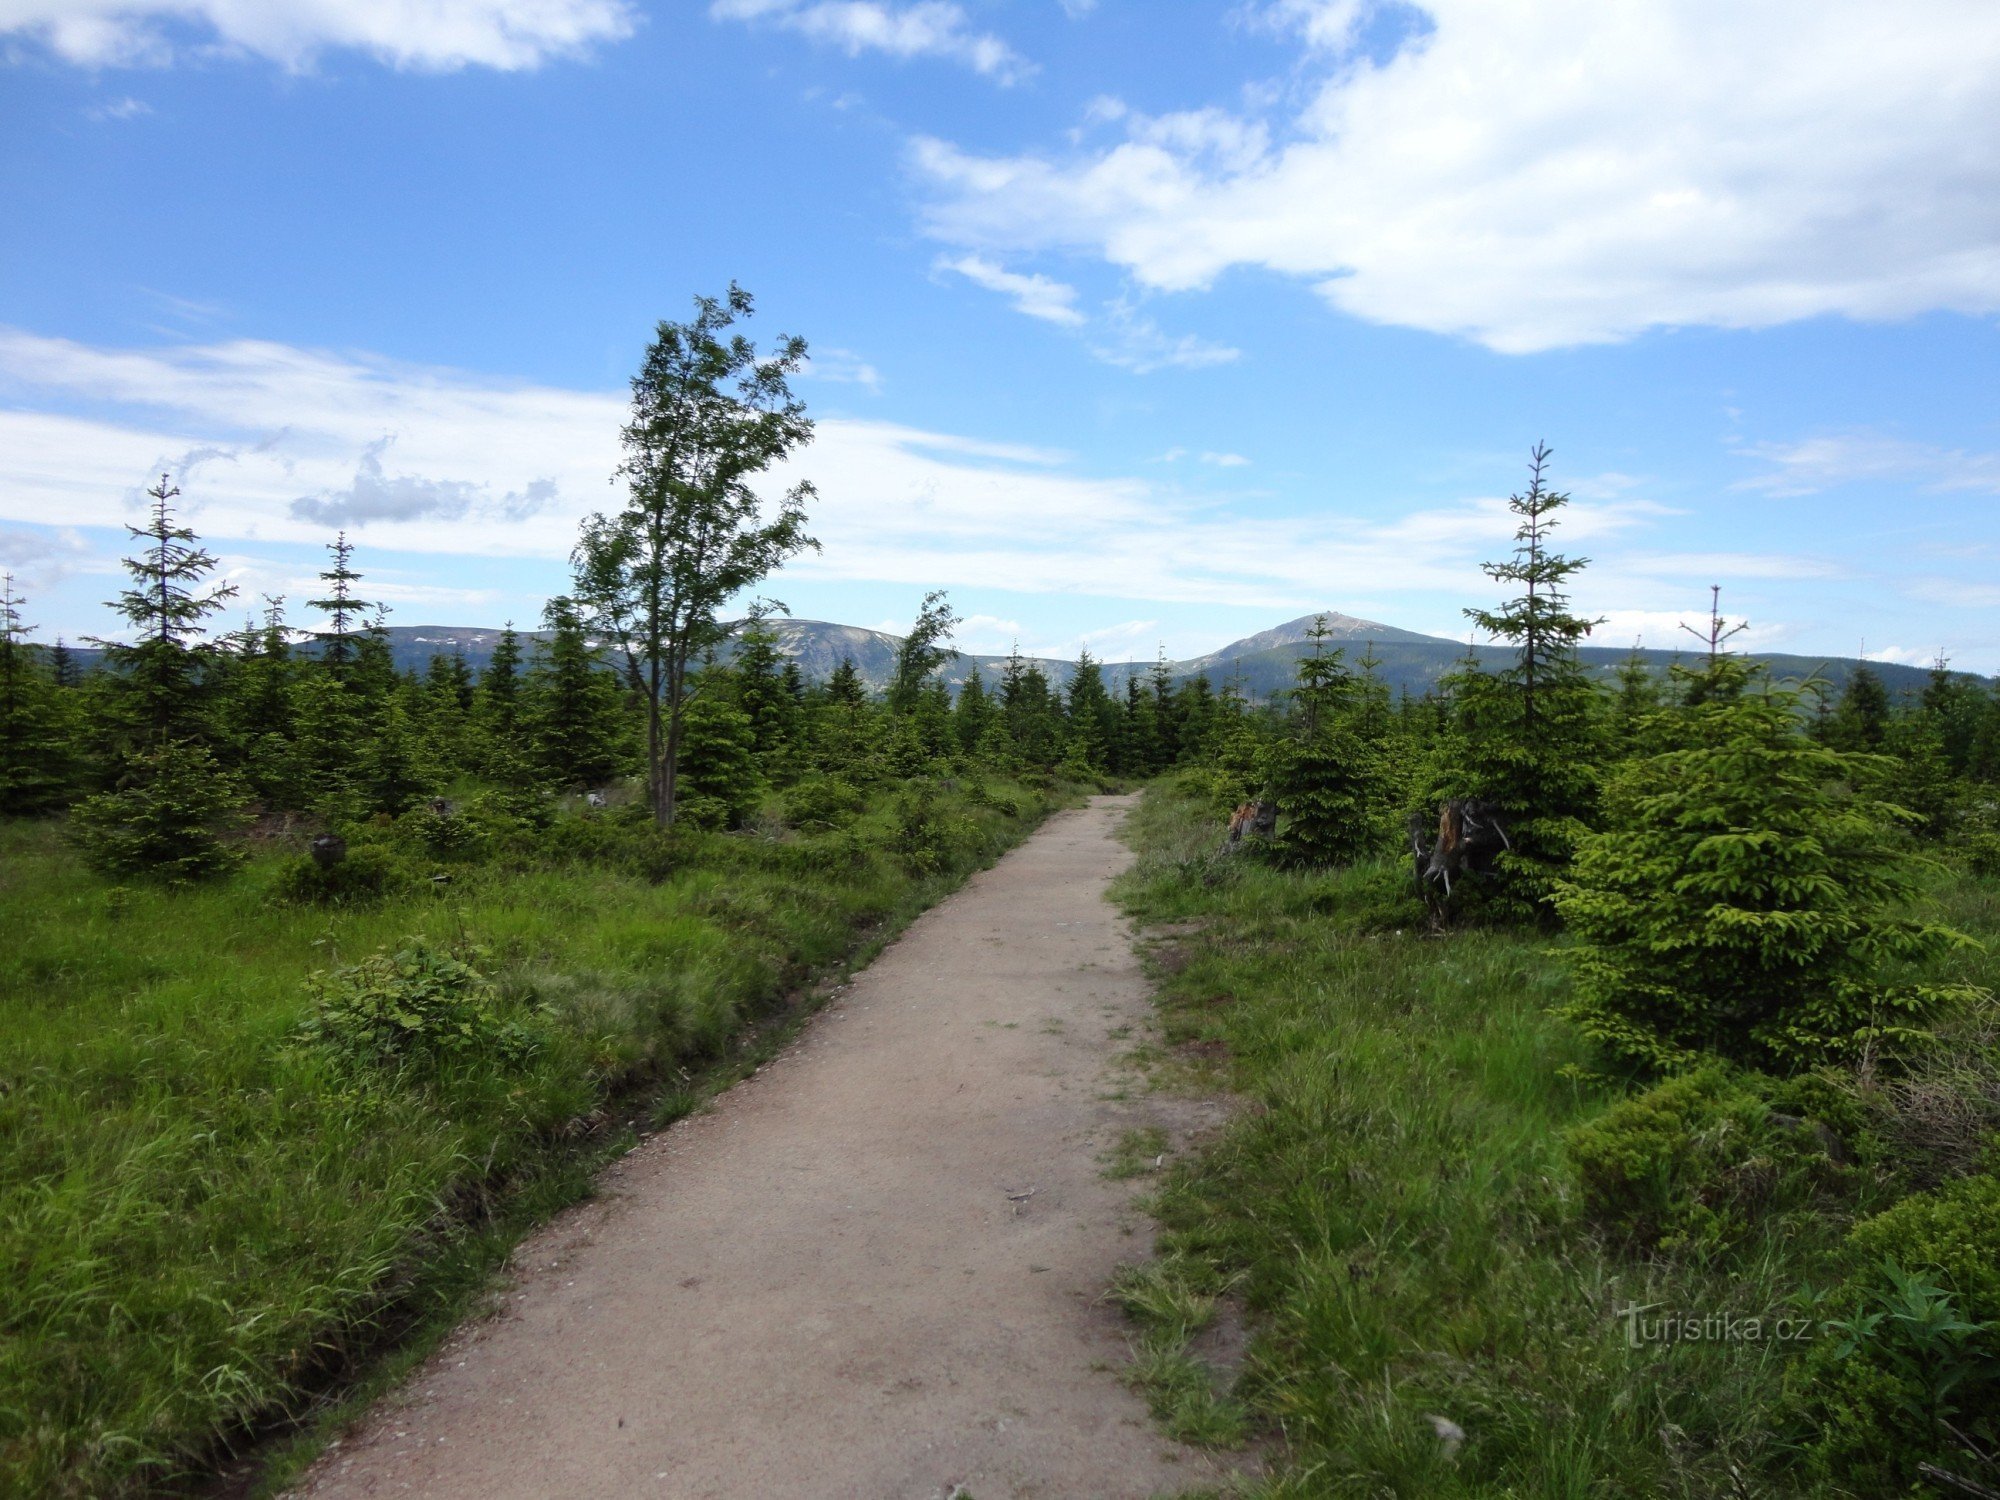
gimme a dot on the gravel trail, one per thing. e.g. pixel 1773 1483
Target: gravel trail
pixel 874 1271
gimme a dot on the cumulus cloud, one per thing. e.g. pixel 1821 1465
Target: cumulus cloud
pixel 1035 295
pixel 928 28
pixel 84 427
pixel 376 496
pixel 41 554
pixel 438 35
pixel 1536 176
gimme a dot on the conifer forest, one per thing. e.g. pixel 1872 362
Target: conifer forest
pixel 1614 1062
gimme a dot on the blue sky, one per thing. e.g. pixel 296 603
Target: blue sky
pixel 1135 324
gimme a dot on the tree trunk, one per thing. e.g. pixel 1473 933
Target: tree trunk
pixel 672 777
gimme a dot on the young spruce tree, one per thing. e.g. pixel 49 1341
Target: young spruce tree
pixel 1741 899
pixel 1325 777
pixel 32 748
pixel 1525 737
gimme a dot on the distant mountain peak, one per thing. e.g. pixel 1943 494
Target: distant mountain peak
pixel 1345 629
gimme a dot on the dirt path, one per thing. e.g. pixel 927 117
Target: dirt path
pixel 872 1272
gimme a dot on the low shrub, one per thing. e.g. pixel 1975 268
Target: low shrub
pixel 823 802
pixel 827 854
pixel 443 835
pixel 924 836
pixel 415 1007
pixel 1691 1164
pixel 708 814
pixel 979 795
pixel 366 874
pixel 1909 1372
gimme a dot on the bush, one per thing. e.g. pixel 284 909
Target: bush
pixel 443 835
pixel 367 874
pixel 1691 1164
pixel 415 1007
pixel 823 802
pixel 1911 1372
pixel 980 795
pixel 164 820
pixel 924 838
pixel 1740 900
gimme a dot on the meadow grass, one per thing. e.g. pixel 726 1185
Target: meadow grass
pixel 1394 1204
pixel 205 1224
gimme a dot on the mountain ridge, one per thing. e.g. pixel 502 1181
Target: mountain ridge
pixel 1257 665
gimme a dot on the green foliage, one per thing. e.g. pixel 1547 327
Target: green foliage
pixel 1526 739
pixel 922 651
pixel 1326 779
pixel 1693 1165
pixel 718 759
pixel 160 679
pixel 346 613
pixel 416 1007
pixel 1910 1371
pixel 1860 721
pixel 164 821
pixel 34 749
pixel 823 802
pixel 1741 900
pixel 1393 1203
pixel 571 704
pixel 367 874
pixel 709 415
pixel 978 794
pixel 924 832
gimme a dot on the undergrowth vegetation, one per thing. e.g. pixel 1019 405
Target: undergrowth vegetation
pixel 252 1130
pixel 1477 1264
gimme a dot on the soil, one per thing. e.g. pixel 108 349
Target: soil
pixel 874 1271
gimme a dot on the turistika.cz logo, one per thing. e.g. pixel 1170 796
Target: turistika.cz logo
pixel 1708 1328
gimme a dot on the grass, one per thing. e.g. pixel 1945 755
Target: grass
pixel 1394 1204
pixel 206 1226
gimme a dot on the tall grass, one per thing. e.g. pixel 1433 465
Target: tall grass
pixel 1395 1205
pixel 203 1223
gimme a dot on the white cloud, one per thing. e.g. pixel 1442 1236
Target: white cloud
pixel 1124 337
pixel 127 108
pixel 1817 463
pixel 1681 630
pixel 1036 295
pixel 843 367
pixel 1955 592
pixel 928 28
pixel 1214 459
pixel 1569 172
pixel 1133 341
pixel 42 554
pixel 435 35
pixel 482 469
